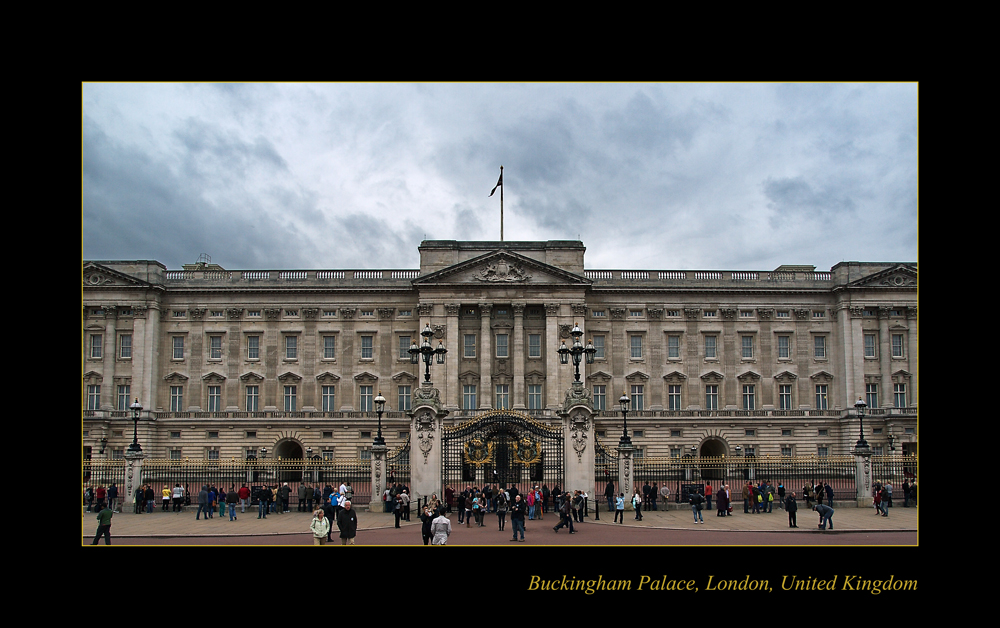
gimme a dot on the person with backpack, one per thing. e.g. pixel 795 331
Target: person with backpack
pixel 696 501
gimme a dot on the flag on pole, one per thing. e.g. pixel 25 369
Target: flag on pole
pixel 499 184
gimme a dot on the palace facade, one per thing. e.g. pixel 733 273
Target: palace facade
pixel 227 363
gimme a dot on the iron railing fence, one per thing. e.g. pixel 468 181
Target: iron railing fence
pixel 226 474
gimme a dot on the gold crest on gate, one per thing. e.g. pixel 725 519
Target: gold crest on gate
pixel 527 451
pixel 477 452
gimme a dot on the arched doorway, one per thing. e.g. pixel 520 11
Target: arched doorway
pixel 290 450
pixel 712 459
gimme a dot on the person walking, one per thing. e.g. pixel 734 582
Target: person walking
pixel 441 528
pixel 232 498
pixel 564 515
pixel 202 503
pixel 347 522
pixel 791 507
pixel 320 527
pixel 104 526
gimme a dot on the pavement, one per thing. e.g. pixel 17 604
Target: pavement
pixel 847 519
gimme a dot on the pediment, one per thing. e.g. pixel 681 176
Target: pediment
pixel 213 377
pixel 175 377
pixel 327 377
pixel 713 376
pixel 250 376
pixel 403 376
pixel 97 276
pixel 786 376
pixel 675 376
pixel 366 378
pixel 501 268
pixel 899 276
pixel 599 376
pixel 748 375
pixel 289 376
pixel 636 375
pixel 821 376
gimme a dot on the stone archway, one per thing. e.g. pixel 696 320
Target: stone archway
pixel 712 462
pixel 291 450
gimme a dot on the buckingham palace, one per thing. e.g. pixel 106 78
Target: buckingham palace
pixel 229 364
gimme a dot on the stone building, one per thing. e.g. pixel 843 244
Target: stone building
pixel 229 362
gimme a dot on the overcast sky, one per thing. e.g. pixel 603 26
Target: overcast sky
pixel 658 176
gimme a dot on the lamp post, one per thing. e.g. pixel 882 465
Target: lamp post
pixel 427 351
pixel 859 407
pixel 136 408
pixel 624 440
pixel 379 409
pixel 577 351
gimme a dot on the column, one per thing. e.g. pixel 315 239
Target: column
pixel 486 357
pixel 554 389
pixel 885 356
pixel 519 398
pixel 110 358
pixel 453 340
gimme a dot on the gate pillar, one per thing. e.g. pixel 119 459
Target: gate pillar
pixel 863 474
pixel 378 478
pixel 426 418
pixel 578 423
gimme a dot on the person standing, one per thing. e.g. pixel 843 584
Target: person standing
pixel 404 497
pixel 884 501
pixel 320 527
pixel 244 498
pixel 747 494
pixel 502 506
pixel 609 493
pixel 302 497
pixel 696 501
pixel 449 496
pixel 178 495
pixel 113 497
pixel 637 504
pixel 104 526
pixel 285 497
pixel 309 492
pixel 427 516
pixel 518 509
pixel 620 508
pixel 150 499
pixel 791 508
pixel 825 515
pixel 167 493
pixel 665 494
pixel 530 499
pixel 577 506
pixel 263 497
pixel 721 502
pixel 781 495
pixel 829 494
pixel 708 496
pixel 653 494
pixel 232 498
pixel 331 515
pixel 347 522
pixel 440 528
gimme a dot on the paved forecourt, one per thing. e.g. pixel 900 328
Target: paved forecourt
pixel 847 519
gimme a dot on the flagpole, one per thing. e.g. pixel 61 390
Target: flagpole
pixel 501 205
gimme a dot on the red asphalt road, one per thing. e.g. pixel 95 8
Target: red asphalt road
pixel 539 533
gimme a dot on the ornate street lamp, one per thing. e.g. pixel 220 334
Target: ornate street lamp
pixel 624 440
pixel 136 408
pixel 860 406
pixel 426 350
pixel 379 408
pixel 577 351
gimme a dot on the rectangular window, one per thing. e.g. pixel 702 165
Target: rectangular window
pixel 819 343
pixel 711 397
pixel 784 350
pixel 213 454
pixel 94 397
pixel 215 347
pixel 404 347
pixel 673 397
pixel 673 346
pixel 870 346
pixel 534 396
pixel 599 345
pixel 786 451
pixel 403 398
pixel 501 345
pixel 291 347
pixel 366 398
pixel 600 397
pixel 785 397
pixel 215 398
pixel 469 397
pixel 176 398
pixel 871 395
pixel 821 394
pixel 125 346
pixel 635 347
pixel 367 347
pixel 899 395
pixel 253 347
pixel 534 345
pixel 329 399
pixel 329 347
pixel 253 398
pixel 178 347
pixel 746 343
pixel 748 396
pixel 897 345
pixel 822 451
pixel 503 397
pixel 95 346
pixel 123 397
pixel 291 392
pixel 637 397
pixel 711 352
pixel 469 342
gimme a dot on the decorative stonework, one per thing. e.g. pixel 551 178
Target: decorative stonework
pixel 197 313
pixel 728 313
pixel 234 313
pixel 617 313
pixel 577 395
pixel 501 271
pixel 424 427
pixel 765 313
pixel 272 313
